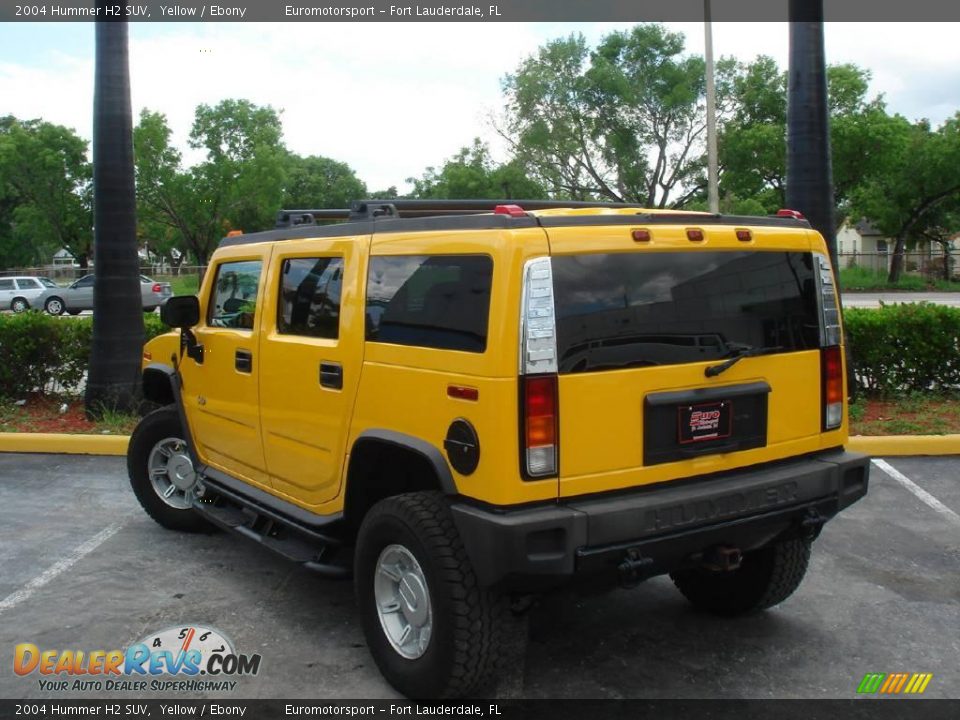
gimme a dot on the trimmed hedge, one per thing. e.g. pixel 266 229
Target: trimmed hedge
pixel 912 347
pixel 41 352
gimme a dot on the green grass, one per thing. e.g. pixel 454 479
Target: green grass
pixel 859 278
pixel 182 284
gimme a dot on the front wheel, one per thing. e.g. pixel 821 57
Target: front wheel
pixel 54 306
pixel 161 471
pixel 432 630
pixel 766 577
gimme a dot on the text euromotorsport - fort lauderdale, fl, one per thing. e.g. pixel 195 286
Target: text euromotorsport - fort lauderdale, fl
pixel 393 11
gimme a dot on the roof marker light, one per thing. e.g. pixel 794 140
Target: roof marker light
pixel 641 235
pixel 744 235
pixel 795 214
pixel 511 210
pixel 695 234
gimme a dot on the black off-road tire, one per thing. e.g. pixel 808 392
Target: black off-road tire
pixel 469 622
pixel 766 577
pixel 158 425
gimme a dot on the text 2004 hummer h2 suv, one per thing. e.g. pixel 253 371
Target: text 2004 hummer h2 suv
pixel 462 404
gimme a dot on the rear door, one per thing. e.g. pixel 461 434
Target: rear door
pixel 311 350
pixel 7 292
pixel 639 327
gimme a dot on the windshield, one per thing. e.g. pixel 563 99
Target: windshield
pixel 48 282
pixel 618 310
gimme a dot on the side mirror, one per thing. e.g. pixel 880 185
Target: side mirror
pixel 182 311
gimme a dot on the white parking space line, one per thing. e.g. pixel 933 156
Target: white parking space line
pixel 917 490
pixel 15 598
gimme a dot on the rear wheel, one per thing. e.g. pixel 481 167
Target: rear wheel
pixel 161 471
pixel 54 306
pixel 431 629
pixel 19 305
pixel 766 577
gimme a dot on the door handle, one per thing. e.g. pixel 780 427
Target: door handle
pixel 331 375
pixel 243 361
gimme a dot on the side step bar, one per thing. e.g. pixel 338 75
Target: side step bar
pixel 321 553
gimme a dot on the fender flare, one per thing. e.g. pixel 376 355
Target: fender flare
pixel 426 450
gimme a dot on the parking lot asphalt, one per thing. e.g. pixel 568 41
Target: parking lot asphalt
pixel 82 567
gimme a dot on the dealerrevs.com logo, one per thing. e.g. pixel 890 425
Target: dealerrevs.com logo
pixel 178 659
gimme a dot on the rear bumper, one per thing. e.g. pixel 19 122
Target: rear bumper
pixel 660 527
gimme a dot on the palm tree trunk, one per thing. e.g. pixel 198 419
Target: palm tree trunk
pixel 114 377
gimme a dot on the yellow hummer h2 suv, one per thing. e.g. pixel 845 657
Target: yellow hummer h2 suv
pixel 464 403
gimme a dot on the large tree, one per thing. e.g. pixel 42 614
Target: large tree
pixel 239 185
pixel 921 174
pixel 472 173
pixel 625 122
pixel 319 182
pixel 752 142
pixel 113 380
pixel 45 189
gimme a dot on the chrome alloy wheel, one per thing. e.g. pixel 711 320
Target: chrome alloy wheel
pixel 403 601
pixel 172 474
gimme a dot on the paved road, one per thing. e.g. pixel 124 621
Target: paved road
pixel 873 300
pixel 882 595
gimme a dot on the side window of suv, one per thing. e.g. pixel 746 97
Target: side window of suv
pixel 441 301
pixel 233 302
pixel 310 297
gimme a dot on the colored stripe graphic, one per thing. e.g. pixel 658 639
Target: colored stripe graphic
pixel 895 683
pixel 871 682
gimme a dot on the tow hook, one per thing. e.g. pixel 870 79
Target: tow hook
pixel 634 568
pixel 812 524
pixel 722 558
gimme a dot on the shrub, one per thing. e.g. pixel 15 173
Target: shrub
pixel 912 347
pixel 41 352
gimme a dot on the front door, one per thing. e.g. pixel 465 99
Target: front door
pixel 311 353
pixel 221 393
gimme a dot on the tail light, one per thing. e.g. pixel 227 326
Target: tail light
pixel 539 406
pixel 157 287
pixel 539 410
pixel 831 377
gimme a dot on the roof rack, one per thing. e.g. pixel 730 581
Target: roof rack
pixel 397 208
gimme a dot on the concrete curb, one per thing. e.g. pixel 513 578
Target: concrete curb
pixel 880 445
pixel 895 445
pixel 63 443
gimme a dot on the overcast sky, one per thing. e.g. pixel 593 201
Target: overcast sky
pixel 392 99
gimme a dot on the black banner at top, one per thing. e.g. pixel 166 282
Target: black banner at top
pixel 864 11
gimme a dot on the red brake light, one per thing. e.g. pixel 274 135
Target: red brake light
pixel 157 287
pixel 540 424
pixel 795 214
pixel 511 210
pixel 831 374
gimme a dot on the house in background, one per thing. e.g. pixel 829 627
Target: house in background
pixel 64 258
pixel 862 245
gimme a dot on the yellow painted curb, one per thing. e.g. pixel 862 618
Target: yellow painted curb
pixel 889 445
pixel 63 443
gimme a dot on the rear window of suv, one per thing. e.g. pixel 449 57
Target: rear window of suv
pixel 439 301
pixel 620 310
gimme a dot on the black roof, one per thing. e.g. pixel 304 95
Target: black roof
pixel 366 217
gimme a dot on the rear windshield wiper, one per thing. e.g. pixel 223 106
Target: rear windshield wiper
pixel 741 353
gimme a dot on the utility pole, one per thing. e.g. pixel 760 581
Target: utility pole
pixel 713 192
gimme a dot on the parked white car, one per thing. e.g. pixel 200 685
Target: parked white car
pixel 21 292
pixel 78 296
